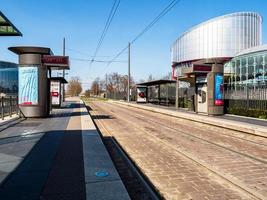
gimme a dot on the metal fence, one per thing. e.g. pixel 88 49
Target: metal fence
pixel 246 97
pixel 9 106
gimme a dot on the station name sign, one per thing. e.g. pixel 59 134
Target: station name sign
pixel 55 60
pixel 201 68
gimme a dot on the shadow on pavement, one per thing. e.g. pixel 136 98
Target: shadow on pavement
pixel 58 115
pixel 27 180
pixel 102 117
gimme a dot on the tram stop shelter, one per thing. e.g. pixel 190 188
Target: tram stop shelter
pixel 160 92
pixel 56 90
pixel 35 70
pixel 7 28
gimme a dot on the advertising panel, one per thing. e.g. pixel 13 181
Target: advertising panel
pixel 141 94
pixel 28 85
pixel 55 92
pixel 218 98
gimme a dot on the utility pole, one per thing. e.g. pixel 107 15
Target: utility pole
pixel 129 71
pixel 63 92
pixel 177 92
pixel 106 86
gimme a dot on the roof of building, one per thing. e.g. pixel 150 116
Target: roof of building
pixel 217 18
pixel 156 82
pixel 60 79
pixel 31 49
pixel 7 28
pixel 253 50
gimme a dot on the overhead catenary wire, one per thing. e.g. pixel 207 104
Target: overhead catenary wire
pixel 149 26
pixel 85 54
pixel 107 25
pixel 100 61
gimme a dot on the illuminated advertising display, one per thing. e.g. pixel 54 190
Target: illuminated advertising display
pixel 141 94
pixel 218 98
pixel 55 92
pixel 28 85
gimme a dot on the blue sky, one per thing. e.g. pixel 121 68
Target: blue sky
pixel 45 23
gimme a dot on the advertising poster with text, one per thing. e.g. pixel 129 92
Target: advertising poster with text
pixel 28 85
pixel 218 89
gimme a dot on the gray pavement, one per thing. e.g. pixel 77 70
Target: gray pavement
pixel 97 162
pixel 56 158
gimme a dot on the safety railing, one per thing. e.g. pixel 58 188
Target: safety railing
pixel 8 106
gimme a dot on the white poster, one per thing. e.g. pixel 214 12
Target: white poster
pixel 141 94
pixel 55 92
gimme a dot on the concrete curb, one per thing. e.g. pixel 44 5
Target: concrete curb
pixel 223 123
pixel 97 159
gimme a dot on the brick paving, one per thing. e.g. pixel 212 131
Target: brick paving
pixel 153 146
pixel 133 184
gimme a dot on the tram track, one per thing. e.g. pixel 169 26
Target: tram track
pixel 144 119
pixel 213 169
pixel 211 134
pixel 118 154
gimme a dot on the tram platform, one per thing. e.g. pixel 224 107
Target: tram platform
pixel 60 157
pixel 234 122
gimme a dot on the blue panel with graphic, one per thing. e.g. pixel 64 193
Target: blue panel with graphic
pixel 219 89
pixel 28 85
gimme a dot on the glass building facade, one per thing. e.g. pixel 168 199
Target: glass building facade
pixel 249 67
pixel 8 78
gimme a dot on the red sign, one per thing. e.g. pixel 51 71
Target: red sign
pixel 55 60
pixel 202 68
pixel 54 94
pixel 26 103
pixel 219 102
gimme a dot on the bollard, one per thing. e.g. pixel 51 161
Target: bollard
pixel 10 106
pixel 2 108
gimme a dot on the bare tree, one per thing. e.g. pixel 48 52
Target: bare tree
pixel 74 87
pixel 95 88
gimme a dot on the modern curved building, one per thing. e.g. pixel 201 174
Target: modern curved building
pixel 217 40
pixel 198 56
pixel 8 78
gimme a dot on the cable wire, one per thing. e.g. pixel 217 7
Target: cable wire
pixel 149 26
pixel 107 25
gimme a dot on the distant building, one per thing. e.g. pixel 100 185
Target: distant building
pixel 8 78
pixel 226 49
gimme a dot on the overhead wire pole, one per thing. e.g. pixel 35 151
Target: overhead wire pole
pixel 64 49
pixel 129 71
pixel 106 85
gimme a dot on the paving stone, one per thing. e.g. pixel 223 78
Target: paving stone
pixel 159 152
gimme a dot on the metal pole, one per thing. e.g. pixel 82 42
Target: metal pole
pixel 106 86
pixel 129 70
pixel 64 49
pixel 2 108
pixel 10 106
pixel 177 92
